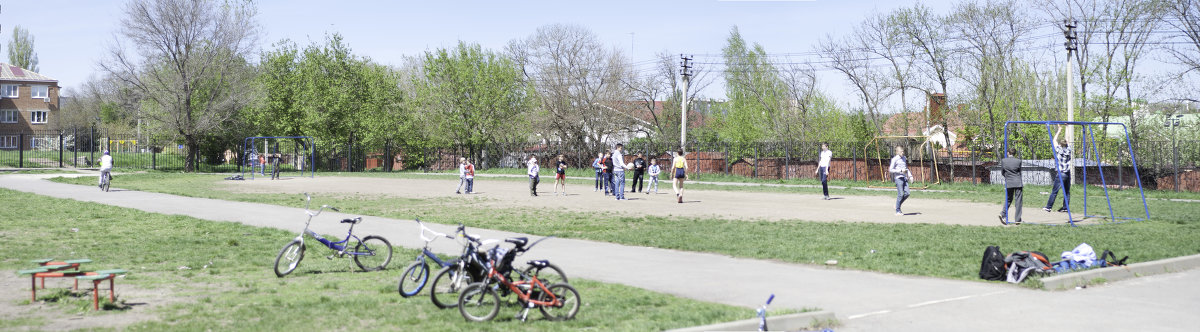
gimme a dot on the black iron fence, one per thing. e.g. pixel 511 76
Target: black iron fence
pixel 1167 165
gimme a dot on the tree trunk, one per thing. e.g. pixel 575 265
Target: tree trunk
pixel 193 152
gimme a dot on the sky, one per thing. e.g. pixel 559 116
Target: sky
pixel 71 37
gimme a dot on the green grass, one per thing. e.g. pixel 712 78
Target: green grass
pixel 947 251
pixel 217 276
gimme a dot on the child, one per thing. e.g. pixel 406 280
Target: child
pixel 560 175
pixel 606 166
pixel 901 174
pixel 469 175
pixel 597 166
pixel 654 170
pixel 533 175
pixel 462 175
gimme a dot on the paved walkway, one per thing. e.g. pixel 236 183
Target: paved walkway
pixel 864 301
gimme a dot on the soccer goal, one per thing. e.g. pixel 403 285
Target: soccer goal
pixel 285 156
pixel 1097 161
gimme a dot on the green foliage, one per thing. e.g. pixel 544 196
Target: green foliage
pixel 752 86
pixel 475 96
pixel 20 50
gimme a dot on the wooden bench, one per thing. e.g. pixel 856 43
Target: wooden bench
pixel 49 268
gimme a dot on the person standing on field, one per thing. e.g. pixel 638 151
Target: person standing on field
pixel 1011 169
pixel 1062 154
pixel 607 166
pixel 560 175
pixel 619 167
pixel 639 174
pixel 823 168
pixel 901 175
pixel 654 171
pixel 679 174
pixel 597 165
pixel 462 174
pixel 533 175
pixel 469 175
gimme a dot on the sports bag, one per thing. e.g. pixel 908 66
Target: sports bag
pixel 992 266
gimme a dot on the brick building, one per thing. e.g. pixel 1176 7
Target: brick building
pixel 28 105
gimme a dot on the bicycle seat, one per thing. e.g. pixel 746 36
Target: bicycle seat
pixel 517 241
pixel 351 221
pixel 541 263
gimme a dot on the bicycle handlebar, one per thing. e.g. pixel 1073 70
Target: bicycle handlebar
pixel 521 250
pixel 428 230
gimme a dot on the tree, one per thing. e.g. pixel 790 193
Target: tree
pixel 475 96
pixel 20 50
pixel 990 31
pixel 844 56
pixel 187 59
pixel 1184 17
pixel 578 85
pixel 658 96
pixel 755 92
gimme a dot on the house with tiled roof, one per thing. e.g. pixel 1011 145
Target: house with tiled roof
pixel 28 104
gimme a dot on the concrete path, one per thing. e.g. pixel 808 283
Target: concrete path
pixel 863 301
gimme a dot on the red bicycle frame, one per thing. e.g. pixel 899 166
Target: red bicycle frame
pixel 525 295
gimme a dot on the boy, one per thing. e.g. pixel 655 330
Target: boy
pixel 1062 153
pixel 607 167
pixel 639 171
pixel 106 165
pixel 469 176
pixel 533 175
pixel 654 170
pixel 462 174
pixel 597 165
pixel 560 175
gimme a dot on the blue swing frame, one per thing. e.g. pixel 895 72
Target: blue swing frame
pixel 1089 132
pixel 312 171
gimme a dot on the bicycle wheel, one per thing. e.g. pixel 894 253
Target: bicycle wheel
pixel 450 281
pixel 549 275
pixel 373 253
pixel 478 302
pixel 568 299
pixel 107 180
pixel 414 278
pixel 290 257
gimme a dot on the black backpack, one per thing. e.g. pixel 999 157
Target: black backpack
pixel 992 267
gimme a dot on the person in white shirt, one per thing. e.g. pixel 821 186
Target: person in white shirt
pixel 1062 178
pixel 462 175
pixel 823 168
pixel 533 174
pixel 106 165
pixel 900 174
pixel 619 167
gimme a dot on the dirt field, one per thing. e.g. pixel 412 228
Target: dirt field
pixel 697 203
pixel 12 307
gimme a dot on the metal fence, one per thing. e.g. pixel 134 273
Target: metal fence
pixel 1164 165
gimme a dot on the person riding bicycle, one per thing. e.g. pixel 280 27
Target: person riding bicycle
pixel 106 164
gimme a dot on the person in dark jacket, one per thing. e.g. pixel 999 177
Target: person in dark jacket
pixel 607 165
pixel 639 174
pixel 1010 168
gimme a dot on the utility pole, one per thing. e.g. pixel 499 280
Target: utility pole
pixel 686 72
pixel 1071 45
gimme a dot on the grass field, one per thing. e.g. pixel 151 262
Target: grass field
pixel 217 276
pixel 947 251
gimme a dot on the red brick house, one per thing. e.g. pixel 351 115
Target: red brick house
pixel 28 104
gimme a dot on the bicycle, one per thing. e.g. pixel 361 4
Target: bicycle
pixel 480 302
pixel 417 273
pixel 762 314
pixel 465 270
pixel 105 180
pixel 370 253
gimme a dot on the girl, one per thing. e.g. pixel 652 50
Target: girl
pixel 900 173
pixel 679 168
pixel 654 170
pixel 560 175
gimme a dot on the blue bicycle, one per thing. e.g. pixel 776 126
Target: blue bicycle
pixel 370 253
pixel 417 274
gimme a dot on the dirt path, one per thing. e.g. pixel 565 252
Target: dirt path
pixel 697 203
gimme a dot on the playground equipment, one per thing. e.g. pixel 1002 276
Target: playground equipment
pixel 284 158
pixel 923 155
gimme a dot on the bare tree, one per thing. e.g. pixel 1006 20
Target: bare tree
pixel 1184 17
pixel 20 50
pixel 1085 15
pixel 846 57
pixel 578 81
pixel 186 58
pixel 657 96
pixel 800 87
pixel 990 31
pixel 882 36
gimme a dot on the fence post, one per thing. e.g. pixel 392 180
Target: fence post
pixel 21 150
pixel 60 150
pixel 727 158
pixel 75 147
pixel 1175 149
pixel 387 153
pixel 854 163
pixel 974 174
pixel 754 171
pixel 154 160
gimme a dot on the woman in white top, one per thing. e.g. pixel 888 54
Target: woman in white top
pixel 823 168
pixel 533 175
pixel 900 174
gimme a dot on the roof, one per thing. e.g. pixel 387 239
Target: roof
pixel 894 124
pixel 13 73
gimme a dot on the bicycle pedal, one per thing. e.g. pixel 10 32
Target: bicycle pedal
pixel 330 257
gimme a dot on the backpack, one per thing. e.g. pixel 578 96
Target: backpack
pixel 992 267
pixel 1109 259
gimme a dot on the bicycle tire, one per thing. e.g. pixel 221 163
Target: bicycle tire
pixel 478 303
pixel 377 253
pixel 106 182
pixel 291 254
pixel 570 302
pixel 448 285
pixel 415 276
pixel 549 275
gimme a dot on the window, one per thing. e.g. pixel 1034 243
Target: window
pixel 8 142
pixel 37 116
pixel 8 116
pixel 40 91
pixel 9 91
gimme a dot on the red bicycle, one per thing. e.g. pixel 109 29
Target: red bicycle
pixel 480 302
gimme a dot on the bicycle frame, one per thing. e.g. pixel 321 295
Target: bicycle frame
pixel 425 253
pixel 339 246
pixel 525 295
